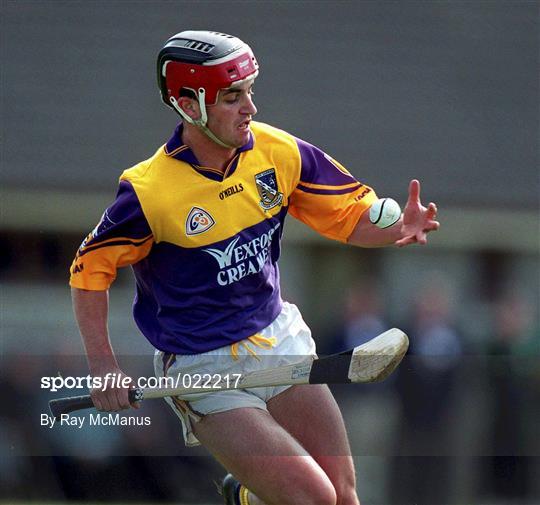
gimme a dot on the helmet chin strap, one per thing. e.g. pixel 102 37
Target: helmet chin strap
pixel 201 122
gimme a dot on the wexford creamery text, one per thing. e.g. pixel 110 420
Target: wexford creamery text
pixel 239 260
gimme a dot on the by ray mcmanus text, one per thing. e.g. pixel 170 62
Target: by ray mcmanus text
pixel 94 419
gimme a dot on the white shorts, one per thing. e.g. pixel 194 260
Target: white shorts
pixel 291 343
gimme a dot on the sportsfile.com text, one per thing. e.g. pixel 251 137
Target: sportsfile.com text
pixel 114 380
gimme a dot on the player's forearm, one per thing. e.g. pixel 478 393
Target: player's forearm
pixel 91 312
pixel 366 234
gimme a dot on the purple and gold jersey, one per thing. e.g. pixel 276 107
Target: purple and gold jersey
pixel 204 245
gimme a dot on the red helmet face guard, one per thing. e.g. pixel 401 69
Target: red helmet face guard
pixel 212 75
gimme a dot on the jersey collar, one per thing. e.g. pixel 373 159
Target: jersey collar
pixel 182 152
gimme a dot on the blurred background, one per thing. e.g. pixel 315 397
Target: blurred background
pixel 446 92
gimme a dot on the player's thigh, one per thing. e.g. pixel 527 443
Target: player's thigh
pixel 265 457
pixel 311 414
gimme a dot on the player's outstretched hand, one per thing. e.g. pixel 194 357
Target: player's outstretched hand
pixel 113 395
pixel 418 220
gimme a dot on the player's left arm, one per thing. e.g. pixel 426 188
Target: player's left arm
pixel 411 228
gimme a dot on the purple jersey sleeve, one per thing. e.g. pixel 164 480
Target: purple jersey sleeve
pixel 122 237
pixel 327 197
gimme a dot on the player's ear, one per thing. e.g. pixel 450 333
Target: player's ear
pixel 190 107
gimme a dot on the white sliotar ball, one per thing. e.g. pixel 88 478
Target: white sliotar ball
pixel 384 212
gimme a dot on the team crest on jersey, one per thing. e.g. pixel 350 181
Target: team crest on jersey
pixel 267 187
pixel 198 221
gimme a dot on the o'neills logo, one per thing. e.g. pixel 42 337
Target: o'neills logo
pixel 239 260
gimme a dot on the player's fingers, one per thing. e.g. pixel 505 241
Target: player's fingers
pixel 112 400
pixel 406 241
pixel 414 191
pixel 96 401
pixel 122 399
pixel 105 404
pixel 432 226
pixel 431 211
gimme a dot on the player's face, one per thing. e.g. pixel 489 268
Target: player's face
pixel 230 117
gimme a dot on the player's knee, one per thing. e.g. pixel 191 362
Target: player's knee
pixel 313 491
pixel 346 489
pixel 326 496
pixel 347 496
pixel 319 492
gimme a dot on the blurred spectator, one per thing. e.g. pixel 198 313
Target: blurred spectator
pixel 22 442
pixel 426 384
pixel 363 317
pixel 514 326
pixel 371 412
pixel 513 397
